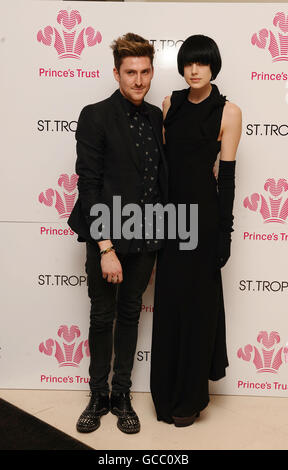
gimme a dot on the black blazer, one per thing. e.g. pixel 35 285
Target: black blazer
pixel 107 163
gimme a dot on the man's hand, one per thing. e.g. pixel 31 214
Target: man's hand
pixel 111 268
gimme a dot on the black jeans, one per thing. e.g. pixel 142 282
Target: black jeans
pixel 107 298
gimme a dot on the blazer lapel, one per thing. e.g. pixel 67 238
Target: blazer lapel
pixel 157 132
pixel 124 131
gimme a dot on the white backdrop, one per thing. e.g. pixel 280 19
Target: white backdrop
pixel 54 62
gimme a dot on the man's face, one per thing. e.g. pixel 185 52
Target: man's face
pixel 134 77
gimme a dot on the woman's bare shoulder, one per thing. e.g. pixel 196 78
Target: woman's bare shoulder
pixel 232 110
pixel 166 105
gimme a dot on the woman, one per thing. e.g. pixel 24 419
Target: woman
pixel 188 340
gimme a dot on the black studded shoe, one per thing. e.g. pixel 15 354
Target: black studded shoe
pixel 128 421
pixel 98 406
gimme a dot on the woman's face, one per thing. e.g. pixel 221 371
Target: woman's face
pixel 197 75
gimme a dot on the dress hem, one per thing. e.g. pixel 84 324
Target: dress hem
pixel 169 420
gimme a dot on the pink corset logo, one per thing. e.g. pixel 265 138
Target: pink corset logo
pixel 276 42
pixel 69 39
pixel 69 350
pixel 268 358
pixel 273 206
pixel 62 199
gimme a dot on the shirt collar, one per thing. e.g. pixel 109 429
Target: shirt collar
pixel 132 109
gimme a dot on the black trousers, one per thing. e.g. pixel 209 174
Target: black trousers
pixel 107 299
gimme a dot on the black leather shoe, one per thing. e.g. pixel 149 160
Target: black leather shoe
pixel 128 420
pixel 98 406
pixel 185 421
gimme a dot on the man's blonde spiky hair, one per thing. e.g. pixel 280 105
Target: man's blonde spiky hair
pixel 131 45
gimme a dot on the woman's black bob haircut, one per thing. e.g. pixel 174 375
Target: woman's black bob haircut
pixel 202 49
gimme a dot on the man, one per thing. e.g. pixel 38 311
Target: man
pixel 119 153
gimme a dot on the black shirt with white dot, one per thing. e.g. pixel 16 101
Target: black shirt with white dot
pixel 148 153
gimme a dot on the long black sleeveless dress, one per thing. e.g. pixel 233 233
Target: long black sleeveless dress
pixel 188 338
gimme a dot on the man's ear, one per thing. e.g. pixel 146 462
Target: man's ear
pixel 116 74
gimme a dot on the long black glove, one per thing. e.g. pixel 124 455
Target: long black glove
pixel 226 192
